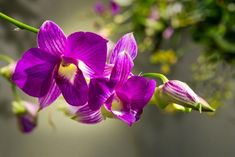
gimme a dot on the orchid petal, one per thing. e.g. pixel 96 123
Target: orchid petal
pixel 128 44
pixel 134 96
pixel 108 70
pixel 89 48
pixel 122 68
pixel 139 91
pixel 127 116
pixel 52 94
pixel 121 109
pixel 89 73
pixel 100 89
pixel 33 73
pixel 85 115
pixel 75 91
pixel 51 38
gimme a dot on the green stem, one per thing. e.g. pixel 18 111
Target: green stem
pixel 6 59
pixel 15 93
pixel 156 75
pixel 19 24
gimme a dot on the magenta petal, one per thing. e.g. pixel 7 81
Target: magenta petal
pixel 138 90
pixel 124 113
pixel 33 73
pixel 122 68
pixel 134 96
pixel 128 44
pixel 89 48
pixel 126 117
pixel 52 94
pixel 108 102
pixel 89 73
pixel 51 38
pixel 85 115
pixel 107 70
pixel 100 89
pixel 75 92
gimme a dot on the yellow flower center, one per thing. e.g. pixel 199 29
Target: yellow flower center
pixel 68 71
pixel 117 105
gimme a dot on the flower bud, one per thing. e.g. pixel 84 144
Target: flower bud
pixel 26 114
pixel 7 71
pixel 180 93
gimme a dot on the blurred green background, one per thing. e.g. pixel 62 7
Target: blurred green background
pixel 192 41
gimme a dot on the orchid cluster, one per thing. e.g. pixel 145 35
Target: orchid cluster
pixel 100 8
pixel 161 29
pixel 95 83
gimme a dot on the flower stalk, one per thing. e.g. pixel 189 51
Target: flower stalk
pixel 15 93
pixel 6 59
pixel 156 76
pixel 17 23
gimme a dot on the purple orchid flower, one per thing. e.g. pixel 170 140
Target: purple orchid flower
pixel 154 14
pixel 99 8
pixel 122 94
pixel 59 64
pixel 115 7
pixel 168 32
pixel 26 115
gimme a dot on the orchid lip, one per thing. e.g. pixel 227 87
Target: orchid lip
pixel 117 105
pixel 68 68
pixel 68 60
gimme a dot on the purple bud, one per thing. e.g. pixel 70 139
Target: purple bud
pixel 26 114
pixel 8 70
pixel 180 93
